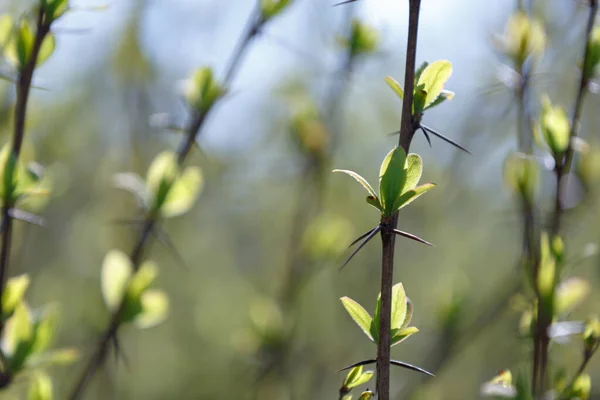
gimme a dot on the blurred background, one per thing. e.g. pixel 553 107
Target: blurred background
pixel 253 280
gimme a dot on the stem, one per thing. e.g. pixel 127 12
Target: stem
pixel 561 169
pixel 408 128
pixel 22 90
pixel 136 256
pixel 586 359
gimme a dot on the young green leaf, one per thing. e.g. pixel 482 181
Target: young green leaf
pixel 398 306
pixel 395 86
pixel 155 309
pixel 116 273
pixel 13 293
pixel 400 335
pixel 392 177
pixel 444 95
pixel 202 91
pixel 270 8
pixel 420 70
pixel 360 180
pixel 46 49
pixel 183 193
pixel 374 327
pixel 352 376
pixel 570 293
pixel 40 387
pixel 433 78
pixel 359 315
pixel 410 196
pixel 362 379
pixel 414 169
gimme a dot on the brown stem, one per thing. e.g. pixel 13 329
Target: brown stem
pixel 23 87
pixel 407 131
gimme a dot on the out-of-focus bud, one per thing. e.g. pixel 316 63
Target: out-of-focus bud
pixel 327 237
pixel 555 126
pixel 522 37
pixel 521 174
pixel 363 39
pixel 202 91
pixel 593 54
pixel 310 133
pixel 591 334
pixel 581 388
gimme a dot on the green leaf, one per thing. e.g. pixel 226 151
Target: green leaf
pixel 162 173
pixel 358 314
pixel 46 49
pixel 361 379
pixel 444 95
pixel 409 313
pixel 410 196
pixel 398 306
pixel 40 387
pixel 414 169
pixel 374 201
pixel 360 180
pixel 374 328
pixel 363 39
pixel 420 70
pixel 593 54
pixel 395 86
pixel 142 279
pixel 400 335
pixel 13 293
pixel 366 395
pixel 570 293
pixel 44 330
pixel 392 177
pixel 555 126
pixel 352 376
pixel 17 337
pixel 433 78
pixel 183 193
pixel 155 309
pixel 270 8
pixel 55 8
pixel 116 273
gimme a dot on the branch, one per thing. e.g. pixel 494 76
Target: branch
pixel 151 220
pixel 407 130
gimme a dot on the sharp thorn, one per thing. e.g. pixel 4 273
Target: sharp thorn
pixel 361 245
pixel 357 364
pixel 361 237
pixel 344 2
pixel 166 241
pixel 410 366
pixel 411 236
pixel 426 136
pixel 444 138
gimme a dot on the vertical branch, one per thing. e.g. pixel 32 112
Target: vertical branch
pixel 23 88
pixel 407 131
pixel 561 168
pixel 151 220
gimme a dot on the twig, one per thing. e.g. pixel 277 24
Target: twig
pixel 586 359
pixel 407 130
pixel 192 132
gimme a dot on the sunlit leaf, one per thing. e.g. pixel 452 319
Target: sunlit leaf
pixel 352 376
pixel 392 177
pixel 13 293
pixel 155 309
pixel 183 193
pixel 46 49
pixel 40 387
pixel 359 315
pixel 555 126
pixel 398 306
pixel 410 196
pixel 116 272
pixel 44 329
pixel 414 169
pixel 570 293
pixel 202 91
pixel 401 334
pixel 433 78
pixel 142 279
pixel 360 180
pixel 395 86
pixel 162 173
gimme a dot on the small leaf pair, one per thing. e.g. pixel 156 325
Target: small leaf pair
pixel 355 378
pixel 27 337
pixel 402 311
pixel 16 181
pixel 167 191
pixel 124 289
pixel 521 174
pixel 54 9
pixel 19 42
pixel 592 61
pixel 523 37
pixel 398 179
pixel 428 92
